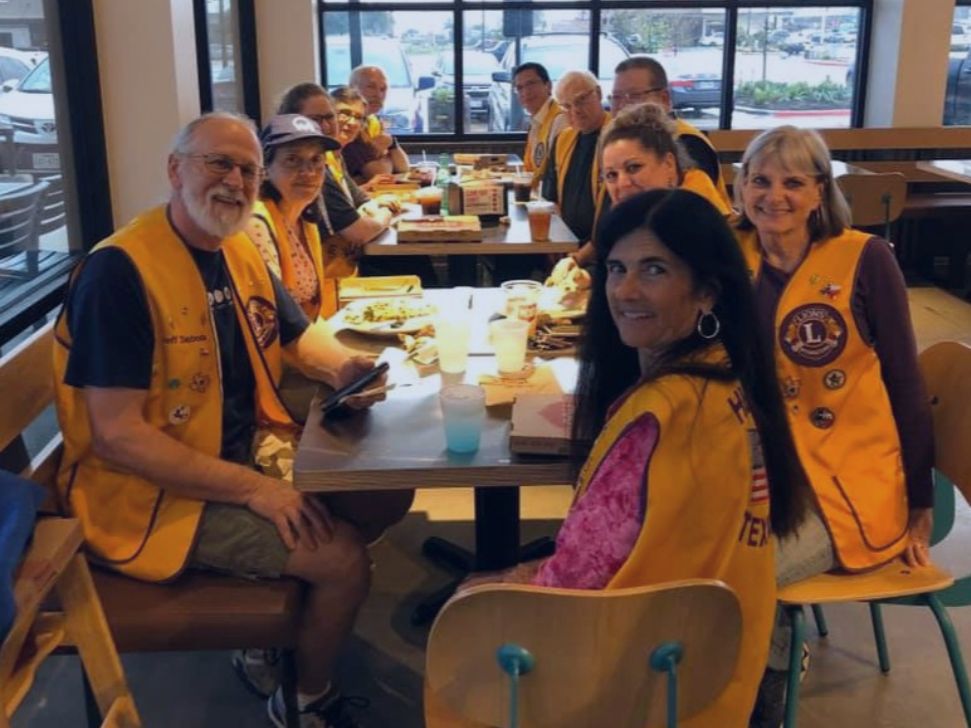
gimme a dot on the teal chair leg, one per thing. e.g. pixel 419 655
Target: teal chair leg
pixel 820 620
pixel 876 617
pixel 665 658
pixel 953 652
pixel 515 661
pixel 798 621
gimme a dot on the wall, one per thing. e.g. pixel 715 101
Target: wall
pixel 149 89
pixel 288 46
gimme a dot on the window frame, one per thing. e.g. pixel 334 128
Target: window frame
pixel 248 58
pixel 595 8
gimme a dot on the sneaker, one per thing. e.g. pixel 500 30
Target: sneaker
pixel 259 670
pixel 330 711
pixel 804 662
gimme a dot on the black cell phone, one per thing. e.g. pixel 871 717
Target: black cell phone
pixel 335 400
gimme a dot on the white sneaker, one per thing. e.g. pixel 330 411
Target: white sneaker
pixel 259 670
pixel 330 711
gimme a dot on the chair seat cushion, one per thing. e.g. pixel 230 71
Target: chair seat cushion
pixel 894 579
pixel 199 611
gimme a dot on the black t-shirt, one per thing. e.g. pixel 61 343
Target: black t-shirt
pixel 341 210
pixel 113 340
pixel 577 208
pixel 704 157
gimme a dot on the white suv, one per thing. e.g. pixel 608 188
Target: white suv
pixel 27 106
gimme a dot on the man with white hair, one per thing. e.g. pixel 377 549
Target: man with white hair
pixel 375 151
pixel 573 175
pixel 167 358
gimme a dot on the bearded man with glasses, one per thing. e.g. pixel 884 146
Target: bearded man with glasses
pixel 168 353
pixel 641 78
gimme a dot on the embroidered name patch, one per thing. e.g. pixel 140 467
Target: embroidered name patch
pixel 813 335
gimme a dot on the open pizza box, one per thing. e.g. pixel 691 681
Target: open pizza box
pixel 541 424
pixel 355 287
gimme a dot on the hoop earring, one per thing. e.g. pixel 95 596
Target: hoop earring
pixel 708 320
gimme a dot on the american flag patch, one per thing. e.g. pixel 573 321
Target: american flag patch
pixel 760 478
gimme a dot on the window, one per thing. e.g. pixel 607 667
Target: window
pixel 225 56
pixel 45 219
pixel 729 64
pixel 957 98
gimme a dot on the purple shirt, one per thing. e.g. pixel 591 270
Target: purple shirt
pixel 882 315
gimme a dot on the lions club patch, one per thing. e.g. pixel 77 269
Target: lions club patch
pixel 262 317
pixel 813 335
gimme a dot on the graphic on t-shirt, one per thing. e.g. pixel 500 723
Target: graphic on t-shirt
pixel 760 478
pixel 813 335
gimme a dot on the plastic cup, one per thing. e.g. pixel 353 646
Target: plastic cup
pixel 463 415
pixel 509 338
pixel 540 212
pixel 452 338
pixel 522 299
pixel 522 187
pixel 430 199
pixel 426 173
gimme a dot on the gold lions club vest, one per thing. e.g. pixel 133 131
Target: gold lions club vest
pixel 700 183
pixel 538 145
pixel 130 523
pixel 707 513
pixel 838 406
pixel 686 129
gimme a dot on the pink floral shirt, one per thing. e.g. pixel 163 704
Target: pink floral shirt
pixel 603 525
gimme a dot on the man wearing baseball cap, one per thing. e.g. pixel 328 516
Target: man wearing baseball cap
pixel 168 353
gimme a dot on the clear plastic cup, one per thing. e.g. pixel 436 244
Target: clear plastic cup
pixel 509 337
pixel 522 187
pixel 522 299
pixel 540 213
pixel 463 415
pixel 430 199
pixel 452 337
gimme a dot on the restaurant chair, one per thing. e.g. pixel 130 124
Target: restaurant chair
pixel 518 655
pixel 54 565
pixel 946 369
pixel 196 611
pixel 875 199
pixel 51 215
pixel 18 225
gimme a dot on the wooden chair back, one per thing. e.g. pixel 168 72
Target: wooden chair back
pixel 874 199
pixel 946 368
pixel 592 652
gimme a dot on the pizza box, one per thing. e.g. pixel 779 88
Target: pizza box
pixel 354 287
pixel 541 424
pixel 480 161
pixel 436 229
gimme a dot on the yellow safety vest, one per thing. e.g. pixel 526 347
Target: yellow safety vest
pixel 686 129
pixel 538 145
pixel 566 142
pixel 269 213
pixel 838 406
pixel 129 523
pixel 707 513
pixel 700 183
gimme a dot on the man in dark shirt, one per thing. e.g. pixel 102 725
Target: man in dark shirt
pixel 120 360
pixel 575 185
pixel 641 78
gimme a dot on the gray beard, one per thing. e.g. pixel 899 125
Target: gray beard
pixel 204 214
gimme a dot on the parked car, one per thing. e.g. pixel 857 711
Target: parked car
pixel 403 112
pixel 716 39
pixel 695 91
pixel 477 70
pixel 15 64
pixel 27 107
pixel 957 97
pixel 559 53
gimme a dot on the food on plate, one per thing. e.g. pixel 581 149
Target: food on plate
pixel 569 277
pixel 388 310
pixel 553 340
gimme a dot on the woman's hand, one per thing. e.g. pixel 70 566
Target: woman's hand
pixel 389 202
pixel 378 179
pixel 921 524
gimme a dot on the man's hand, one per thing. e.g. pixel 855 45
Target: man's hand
pixel 921 524
pixel 389 202
pixel 299 518
pixel 354 368
pixel 382 142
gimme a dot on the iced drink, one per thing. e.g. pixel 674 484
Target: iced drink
pixel 540 213
pixel 463 414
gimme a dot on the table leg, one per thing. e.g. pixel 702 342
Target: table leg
pixel 496 528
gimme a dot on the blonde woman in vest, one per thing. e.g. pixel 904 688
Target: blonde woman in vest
pixel 832 302
pixel 692 465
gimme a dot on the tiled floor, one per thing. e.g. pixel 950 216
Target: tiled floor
pixel 384 660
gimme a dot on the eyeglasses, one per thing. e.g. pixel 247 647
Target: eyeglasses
pixel 219 165
pixel 350 116
pixel 633 97
pixel 313 164
pixel 319 119
pixel 520 87
pixel 578 100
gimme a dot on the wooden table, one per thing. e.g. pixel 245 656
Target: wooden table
pixel 512 239
pixel 400 443
pixel 956 169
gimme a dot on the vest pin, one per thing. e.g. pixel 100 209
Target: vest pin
pixel 180 414
pixel 822 417
pixel 831 290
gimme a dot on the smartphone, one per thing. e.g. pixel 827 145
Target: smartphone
pixel 359 385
